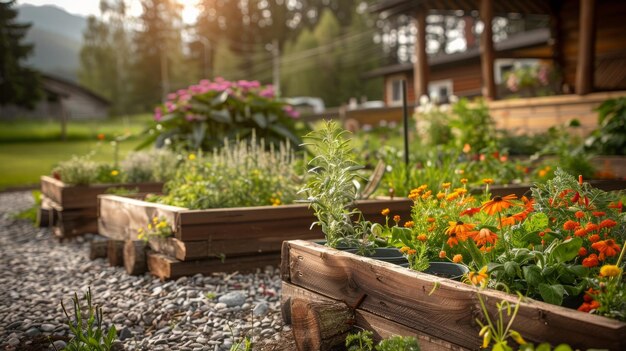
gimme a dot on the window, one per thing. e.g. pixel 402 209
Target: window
pixel 503 66
pixel 440 90
pixel 396 92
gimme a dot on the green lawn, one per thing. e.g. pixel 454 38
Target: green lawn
pixel 21 164
pixel 50 130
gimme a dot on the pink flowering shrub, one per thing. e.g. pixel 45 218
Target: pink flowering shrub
pixel 202 115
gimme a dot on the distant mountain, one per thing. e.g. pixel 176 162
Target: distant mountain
pixel 57 36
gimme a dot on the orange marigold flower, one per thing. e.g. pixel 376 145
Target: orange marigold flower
pixel 404 249
pixel 484 236
pixel 498 204
pixel 459 228
pixel 476 278
pixel 446 185
pixel 396 218
pixel 607 248
pixel 427 195
pixel 581 232
pixel 442 254
pixel 589 306
pixel 571 225
pixel 486 249
pixel 467 148
pixel 460 191
pixel 457 258
pixel 579 214
pixel 464 181
pixel 409 224
pixel 591 227
pixel 607 223
pixel 593 238
pixel 453 240
pixel 453 196
pixel 582 252
pixel 470 211
pixel 440 195
pixel 598 213
pixel 488 181
pixel 619 206
pixel 101 136
pixel 430 219
pixel 385 212
pixel 432 227
pixel 411 252
pixel 591 261
pixel 508 221
pixel 422 237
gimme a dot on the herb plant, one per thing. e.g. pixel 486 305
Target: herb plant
pixel 332 187
pixel 610 137
pixel 86 326
pixel 240 174
pixel 360 341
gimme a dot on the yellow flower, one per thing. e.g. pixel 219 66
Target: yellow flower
pixel 610 270
pixel 445 185
pixel 457 258
pixel 385 212
pixel 464 180
pixel 476 278
pixel 191 157
pixel 161 224
pixel 150 226
pixel 440 195
pixel 155 220
pixel 115 172
pixel 488 181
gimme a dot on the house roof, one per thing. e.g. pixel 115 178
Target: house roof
pixel 64 82
pixel 389 8
pixel 521 40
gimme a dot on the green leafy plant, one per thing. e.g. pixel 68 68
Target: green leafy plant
pixel 86 324
pixel 360 341
pixel 159 228
pixel 156 165
pixel 201 116
pixel 332 186
pixel 239 174
pixel 610 137
pixel 398 343
pixel 78 170
pixel 30 213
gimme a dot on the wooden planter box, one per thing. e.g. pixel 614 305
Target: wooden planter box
pixel 389 299
pixel 524 189
pixel 250 235
pixel 72 209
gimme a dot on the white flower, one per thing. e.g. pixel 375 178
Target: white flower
pixel 424 99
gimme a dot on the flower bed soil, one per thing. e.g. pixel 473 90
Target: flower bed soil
pixel 225 239
pixel 389 299
pixel 72 209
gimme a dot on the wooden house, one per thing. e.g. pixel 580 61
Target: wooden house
pixel 585 42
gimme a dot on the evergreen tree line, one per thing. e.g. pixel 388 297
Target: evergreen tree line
pixel 325 47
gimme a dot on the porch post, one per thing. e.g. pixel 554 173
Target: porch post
pixel 586 46
pixel 486 49
pixel 420 68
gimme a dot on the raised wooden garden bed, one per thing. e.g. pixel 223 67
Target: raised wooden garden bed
pixel 72 209
pixel 521 189
pixel 389 299
pixel 224 239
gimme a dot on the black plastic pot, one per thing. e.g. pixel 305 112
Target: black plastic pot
pixel 385 254
pixel 448 270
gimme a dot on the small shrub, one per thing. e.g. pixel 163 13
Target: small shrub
pixel 398 343
pixel 156 165
pixel 79 170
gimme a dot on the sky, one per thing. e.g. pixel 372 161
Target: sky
pixel 92 7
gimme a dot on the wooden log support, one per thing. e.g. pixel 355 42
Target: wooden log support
pixel 320 325
pixel 98 248
pixel 487 54
pixel 115 252
pixel 43 217
pixel 166 267
pixel 135 261
pixel 586 47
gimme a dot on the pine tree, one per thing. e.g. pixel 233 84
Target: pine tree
pixel 19 84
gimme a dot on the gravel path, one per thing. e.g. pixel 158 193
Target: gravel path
pixel 191 313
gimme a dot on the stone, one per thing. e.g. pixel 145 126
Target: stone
pixel 47 327
pixel 234 298
pixel 59 344
pixel 124 334
pixel 260 309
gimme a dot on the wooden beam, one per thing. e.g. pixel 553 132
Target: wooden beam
pixel 486 50
pixel 586 47
pixel 420 68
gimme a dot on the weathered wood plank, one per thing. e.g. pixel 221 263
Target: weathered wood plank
pixel 120 217
pixel 98 249
pixel 320 325
pixel 404 296
pixel 382 328
pixel 115 253
pixel 166 267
